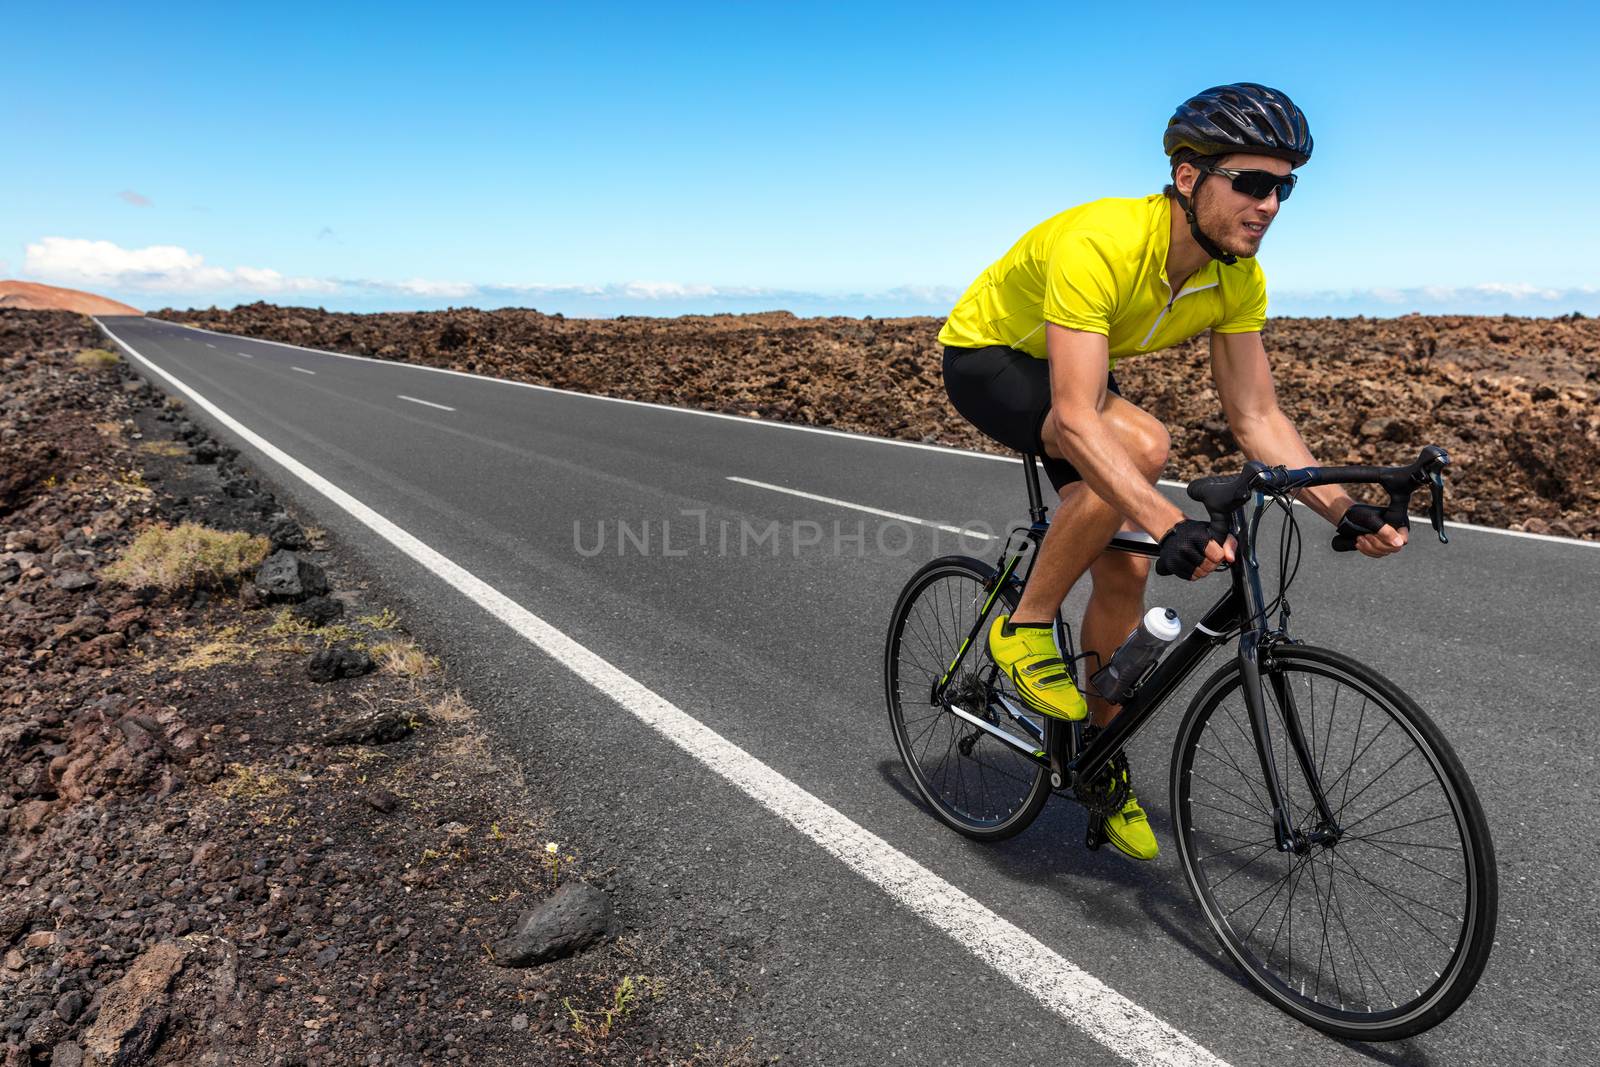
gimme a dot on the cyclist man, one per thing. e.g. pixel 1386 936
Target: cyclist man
pixel 1029 351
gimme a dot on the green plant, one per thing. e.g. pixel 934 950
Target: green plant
pixel 383 620
pixel 596 1027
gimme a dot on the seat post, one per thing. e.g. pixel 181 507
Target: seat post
pixel 1030 471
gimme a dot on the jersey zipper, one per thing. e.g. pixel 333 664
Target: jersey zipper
pixel 1175 297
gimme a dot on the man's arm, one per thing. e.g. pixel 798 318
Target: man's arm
pixel 1250 403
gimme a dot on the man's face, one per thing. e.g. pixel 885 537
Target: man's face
pixel 1237 222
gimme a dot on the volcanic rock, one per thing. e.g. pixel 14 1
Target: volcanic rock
pixel 574 917
pixel 284 576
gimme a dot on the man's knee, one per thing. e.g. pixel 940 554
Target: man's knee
pixel 1149 443
pixel 1156 447
pixel 1143 436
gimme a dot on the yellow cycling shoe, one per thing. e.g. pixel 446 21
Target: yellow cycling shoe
pixel 1130 831
pixel 1029 657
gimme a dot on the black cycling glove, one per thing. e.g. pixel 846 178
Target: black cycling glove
pixel 1183 549
pixel 1358 520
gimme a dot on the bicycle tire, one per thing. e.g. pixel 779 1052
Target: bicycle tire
pixel 1406 909
pixel 1005 790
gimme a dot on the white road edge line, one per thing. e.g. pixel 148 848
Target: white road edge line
pixel 862 507
pixel 431 404
pixel 302 370
pixel 1077 996
pixel 867 437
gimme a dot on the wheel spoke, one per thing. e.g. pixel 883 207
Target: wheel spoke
pixel 1333 930
pixel 1381 775
pixel 1232 794
pixel 975 780
pixel 1391 895
pixel 1407 859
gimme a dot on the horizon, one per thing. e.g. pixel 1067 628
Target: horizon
pixel 656 313
pixel 862 161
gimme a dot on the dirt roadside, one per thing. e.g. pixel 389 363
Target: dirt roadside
pixel 247 819
pixel 1516 401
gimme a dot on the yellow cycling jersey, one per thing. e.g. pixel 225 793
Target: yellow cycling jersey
pixel 1102 267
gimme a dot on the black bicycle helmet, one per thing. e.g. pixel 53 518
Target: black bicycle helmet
pixel 1242 117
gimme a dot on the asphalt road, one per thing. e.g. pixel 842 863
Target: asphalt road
pixel 618 524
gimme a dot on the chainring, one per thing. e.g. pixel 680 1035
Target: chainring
pixel 1105 793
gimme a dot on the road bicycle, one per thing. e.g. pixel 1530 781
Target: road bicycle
pixel 1327 830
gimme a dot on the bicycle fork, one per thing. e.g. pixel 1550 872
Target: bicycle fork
pixel 1255 647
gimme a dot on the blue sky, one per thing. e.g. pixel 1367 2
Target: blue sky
pixel 602 159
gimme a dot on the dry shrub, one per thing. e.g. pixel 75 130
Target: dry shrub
pixel 246 783
pixel 452 707
pixel 98 358
pixel 188 556
pixel 162 448
pixel 224 647
pixel 403 658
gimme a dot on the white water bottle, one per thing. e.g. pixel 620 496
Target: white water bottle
pixel 1129 664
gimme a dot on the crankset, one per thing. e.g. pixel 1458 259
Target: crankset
pixel 1103 793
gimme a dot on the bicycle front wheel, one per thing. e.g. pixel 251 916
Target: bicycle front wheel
pixel 1376 926
pixel 975 781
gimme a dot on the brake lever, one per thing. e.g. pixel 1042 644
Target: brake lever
pixel 1436 504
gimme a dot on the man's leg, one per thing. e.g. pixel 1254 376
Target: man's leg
pixel 1078 533
pixel 1075 543
pixel 1113 611
pixel 1084 523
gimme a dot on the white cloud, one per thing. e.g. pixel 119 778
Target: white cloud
pixel 424 287
pixel 156 268
pixel 1485 298
pixel 186 277
pixel 666 291
pixel 171 269
pixel 1522 290
pixel 136 199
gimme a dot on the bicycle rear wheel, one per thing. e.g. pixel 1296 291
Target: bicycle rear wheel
pixel 975 782
pixel 1376 930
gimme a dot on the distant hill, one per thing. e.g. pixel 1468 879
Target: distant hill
pixel 35 297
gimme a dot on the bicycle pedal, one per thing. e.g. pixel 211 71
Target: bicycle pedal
pixel 1092 837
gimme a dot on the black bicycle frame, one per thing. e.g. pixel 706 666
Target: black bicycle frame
pixel 1242 608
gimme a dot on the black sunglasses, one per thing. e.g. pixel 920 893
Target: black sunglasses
pixel 1257 184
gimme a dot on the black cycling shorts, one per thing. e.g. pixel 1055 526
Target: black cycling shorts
pixel 1006 394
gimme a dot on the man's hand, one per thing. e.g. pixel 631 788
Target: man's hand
pixel 1188 551
pixel 1374 537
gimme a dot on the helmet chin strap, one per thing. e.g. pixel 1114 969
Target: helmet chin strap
pixel 1210 247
